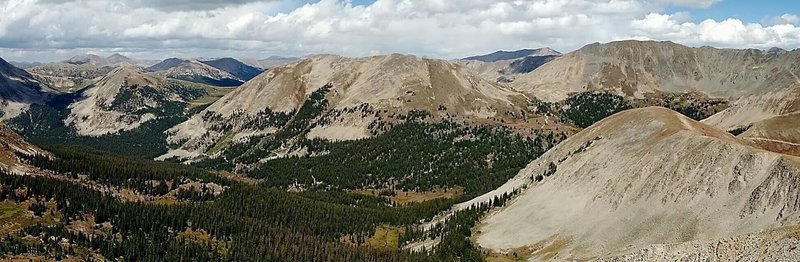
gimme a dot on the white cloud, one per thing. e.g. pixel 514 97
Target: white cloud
pixel 689 3
pixel 53 29
pixel 790 19
pixel 727 33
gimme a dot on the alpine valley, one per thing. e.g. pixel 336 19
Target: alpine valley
pixel 620 151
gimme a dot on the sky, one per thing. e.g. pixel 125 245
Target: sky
pixel 54 30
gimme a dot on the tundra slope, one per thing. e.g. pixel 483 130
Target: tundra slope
pixel 361 90
pixel 610 190
pixel 761 84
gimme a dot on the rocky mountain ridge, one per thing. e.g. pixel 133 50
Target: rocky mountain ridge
pixel 361 91
pixel 760 84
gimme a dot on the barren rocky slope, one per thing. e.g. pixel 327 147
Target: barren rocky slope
pixel 639 178
pixel 361 90
pixel 761 84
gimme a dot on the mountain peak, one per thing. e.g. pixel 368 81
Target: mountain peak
pixel 117 58
pixel 128 76
pixel 5 66
pixel 166 64
pixel 86 59
pixel 235 67
pixel 627 44
pixel 776 50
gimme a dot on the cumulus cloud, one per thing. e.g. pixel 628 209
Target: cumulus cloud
pixel 790 19
pixel 727 33
pixel 690 3
pixel 52 29
pixel 172 5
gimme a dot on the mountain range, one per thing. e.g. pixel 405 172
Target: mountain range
pixel 621 151
pixel 220 72
pixel 759 84
pixel 504 66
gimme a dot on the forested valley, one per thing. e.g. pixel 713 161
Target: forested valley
pixel 100 198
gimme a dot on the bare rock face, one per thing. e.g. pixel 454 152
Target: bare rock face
pixel 360 88
pixel 641 178
pixel 761 84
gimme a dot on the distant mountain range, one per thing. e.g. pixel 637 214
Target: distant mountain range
pixel 239 70
pixel 25 65
pixel 505 66
pixel 271 62
pixel 509 55
pixel 220 72
pixel 73 73
pixel 112 60
pixel 235 67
